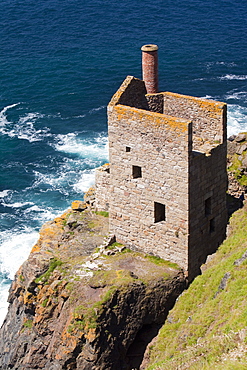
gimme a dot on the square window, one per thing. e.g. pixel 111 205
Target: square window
pixel 159 212
pixel 136 172
pixel 127 148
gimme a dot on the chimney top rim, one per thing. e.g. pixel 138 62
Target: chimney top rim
pixel 149 47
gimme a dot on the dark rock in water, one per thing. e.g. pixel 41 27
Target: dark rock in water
pixel 73 307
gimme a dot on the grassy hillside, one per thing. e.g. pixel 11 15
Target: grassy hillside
pixel 207 328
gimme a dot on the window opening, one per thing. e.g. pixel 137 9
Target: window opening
pixel 136 172
pixel 212 225
pixel 127 148
pixel 159 212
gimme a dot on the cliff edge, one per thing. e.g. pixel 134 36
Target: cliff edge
pixel 82 301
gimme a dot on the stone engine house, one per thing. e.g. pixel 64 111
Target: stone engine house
pixel 165 186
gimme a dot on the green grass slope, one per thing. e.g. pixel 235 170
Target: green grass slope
pixel 207 328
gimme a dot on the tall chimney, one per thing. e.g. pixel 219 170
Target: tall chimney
pixel 150 67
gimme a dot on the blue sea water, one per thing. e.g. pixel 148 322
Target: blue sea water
pixel 60 63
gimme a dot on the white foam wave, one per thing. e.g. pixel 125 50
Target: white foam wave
pixel 24 127
pixel 86 180
pixel 236 119
pixel 72 178
pixel 207 97
pixel 58 181
pixel 3 118
pixel 14 249
pixel 17 204
pixel 15 244
pixel 40 214
pixel 4 291
pixel 97 109
pixel 68 118
pixel 233 77
pixel 4 193
pixel 210 65
pixel 200 79
pixel 236 95
pixel 80 116
pixel 35 208
pixel 228 64
pixel 91 111
pixel 71 143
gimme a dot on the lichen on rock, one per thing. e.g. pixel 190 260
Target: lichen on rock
pixel 237 164
pixel 82 301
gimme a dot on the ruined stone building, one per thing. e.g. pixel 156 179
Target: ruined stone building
pixel 166 184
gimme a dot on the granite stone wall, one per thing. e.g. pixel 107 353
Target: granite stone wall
pixel 149 156
pixel 168 180
pixel 207 204
pixel 102 187
pixel 208 116
pixel 155 102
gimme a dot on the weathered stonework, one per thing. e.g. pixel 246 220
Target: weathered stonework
pixel 102 182
pixel 167 183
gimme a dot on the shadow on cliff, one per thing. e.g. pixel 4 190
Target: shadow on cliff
pixel 136 352
pixel 234 203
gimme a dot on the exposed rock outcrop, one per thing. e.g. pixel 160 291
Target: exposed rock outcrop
pixel 237 171
pixel 81 301
pixel 237 164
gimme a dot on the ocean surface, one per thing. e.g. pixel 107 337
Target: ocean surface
pixel 60 63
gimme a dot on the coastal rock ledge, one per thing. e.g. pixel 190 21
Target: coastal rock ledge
pixel 83 301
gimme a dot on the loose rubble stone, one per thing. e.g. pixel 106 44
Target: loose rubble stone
pixel 78 205
pixel 240 137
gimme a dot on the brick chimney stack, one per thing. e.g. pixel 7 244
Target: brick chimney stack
pixel 150 67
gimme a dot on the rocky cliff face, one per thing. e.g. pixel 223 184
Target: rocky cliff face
pixel 81 301
pixel 237 171
pixel 237 164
